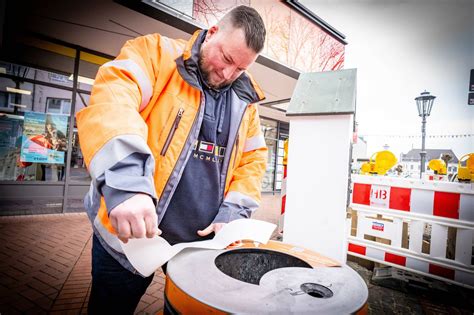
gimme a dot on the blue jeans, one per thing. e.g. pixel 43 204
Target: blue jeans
pixel 115 290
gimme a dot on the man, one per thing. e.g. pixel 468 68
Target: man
pixel 172 140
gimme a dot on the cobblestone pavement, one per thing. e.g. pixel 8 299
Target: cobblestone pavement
pixel 399 297
pixel 45 269
pixel 45 266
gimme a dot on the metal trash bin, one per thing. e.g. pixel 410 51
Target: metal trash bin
pixel 257 278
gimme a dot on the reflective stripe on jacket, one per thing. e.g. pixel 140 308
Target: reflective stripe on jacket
pixel 141 103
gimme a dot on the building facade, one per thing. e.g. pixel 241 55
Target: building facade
pixel 411 161
pixel 50 54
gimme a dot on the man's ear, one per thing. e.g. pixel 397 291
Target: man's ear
pixel 211 32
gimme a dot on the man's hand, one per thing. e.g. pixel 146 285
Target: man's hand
pixel 216 227
pixel 213 227
pixel 135 218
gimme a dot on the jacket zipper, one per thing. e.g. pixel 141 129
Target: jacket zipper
pixel 174 168
pixel 236 148
pixel 172 131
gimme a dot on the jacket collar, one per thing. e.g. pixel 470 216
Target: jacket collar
pixel 188 67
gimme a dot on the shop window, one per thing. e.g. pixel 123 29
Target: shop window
pixel 49 55
pixel 78 172
pixel 31 73
pixel 33 131
pixel 270 131
pixel 281 153
pixel 88 67
pixel 183 6
pixel 269 128
pixel 58 106
pixel 5 102
pixel 275 134
pixel 268 179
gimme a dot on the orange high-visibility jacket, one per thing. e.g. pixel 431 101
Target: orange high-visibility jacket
pixel 142 103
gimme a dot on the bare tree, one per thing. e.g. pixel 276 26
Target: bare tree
pixel 278 35
pixel 210 11
pixel 300 33
pixel 446 158
pixel 291 38
pixel 399 169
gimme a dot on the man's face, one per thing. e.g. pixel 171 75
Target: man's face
pixel 224 56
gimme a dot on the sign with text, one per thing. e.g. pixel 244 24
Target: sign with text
pixel 378 226
pixel 380 196
pixel 44 138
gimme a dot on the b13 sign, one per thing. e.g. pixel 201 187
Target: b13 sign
pixel 380 196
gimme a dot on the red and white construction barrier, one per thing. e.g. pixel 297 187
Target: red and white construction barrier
pixel 281 221
pixel 384 204
pixel 384 254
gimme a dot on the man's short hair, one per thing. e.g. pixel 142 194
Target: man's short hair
pixel 248 19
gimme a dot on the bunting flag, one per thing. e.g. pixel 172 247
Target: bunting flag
pixel 419 136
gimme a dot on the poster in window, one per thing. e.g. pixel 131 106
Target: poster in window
pixel 10 139
pixel 44 138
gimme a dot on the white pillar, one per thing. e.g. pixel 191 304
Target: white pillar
pixel 321 124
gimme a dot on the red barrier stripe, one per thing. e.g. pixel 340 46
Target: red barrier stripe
pixel 400 198
pixel 446 204
pixel 283 198
pixel 357 249
pixel 361 194
pixel 283 204
pixel 395 259
pixel 442 271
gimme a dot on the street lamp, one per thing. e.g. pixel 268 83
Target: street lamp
pixel 424 102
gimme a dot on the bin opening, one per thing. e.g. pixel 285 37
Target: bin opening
pixel 249 265
pixel 316 290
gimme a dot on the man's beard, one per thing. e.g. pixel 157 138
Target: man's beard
pixel 205 72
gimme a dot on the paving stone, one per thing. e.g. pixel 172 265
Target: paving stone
pixel 59 263
pixel 148 299
pixel 75 290
pixel 44 302
pixel 11 311
pixel 60 301
pixel 64 295
pixel 155 307
pixel 65 254
pixel 140 308
pixel 22 304
pixel 53 296
pixel 20 264
pixel 7 281
pixel 42 287
pixel 35 312
pixel 65 307
pixel 31 294
pixel 72 286
pixel 46 278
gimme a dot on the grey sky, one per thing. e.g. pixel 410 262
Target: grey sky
pixel 401 48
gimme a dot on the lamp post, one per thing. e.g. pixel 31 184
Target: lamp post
pixel 424 102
